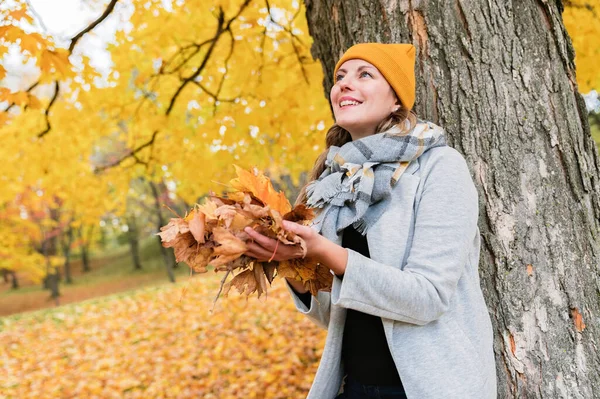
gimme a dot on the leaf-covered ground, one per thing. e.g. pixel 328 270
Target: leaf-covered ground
pixel 149 344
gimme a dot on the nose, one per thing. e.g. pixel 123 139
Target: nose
pixel 345 84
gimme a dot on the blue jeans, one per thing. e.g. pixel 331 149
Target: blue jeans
pixel 355 390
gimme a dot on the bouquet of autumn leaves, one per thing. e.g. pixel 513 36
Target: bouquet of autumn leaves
pixel 213 234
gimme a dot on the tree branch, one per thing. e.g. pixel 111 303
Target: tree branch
pixel 200 68
pixel 294 38
pixel 105 14
pixel 213 95
pixel 47 111
pixel 131 154
pixel 74 40
pixel 224 74
pixel 190 79
pixel 33 86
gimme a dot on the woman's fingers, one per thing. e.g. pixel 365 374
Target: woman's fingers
pixel 297 228
pixel 291 226
pixel 258 252
pixel 265 248
pixel 264 241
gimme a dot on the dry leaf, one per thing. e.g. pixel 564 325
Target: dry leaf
pixel 259 276
pixel 170 231
pixel 229 243
pixel 285 269
pixel 244 282
pixel 196 226
pixel 260 187
pixel 269 269
pixel 299 213
pixel 199 260
pixel 213 234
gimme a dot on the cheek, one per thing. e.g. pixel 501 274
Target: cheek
pixel 334 93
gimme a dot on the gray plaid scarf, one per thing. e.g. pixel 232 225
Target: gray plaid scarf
pixel 361 173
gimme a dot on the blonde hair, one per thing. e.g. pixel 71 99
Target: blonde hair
pixel 338 136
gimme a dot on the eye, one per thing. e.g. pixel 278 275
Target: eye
pixel 339 77
pixel 365 73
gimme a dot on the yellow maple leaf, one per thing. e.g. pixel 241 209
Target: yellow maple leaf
pixel 3 118
pixel 11 33
pixel 2 72
pixel 260 186
pixel 34 102
pixel 55 62
pixel 20 14
pixel 19 98
pixel 33 42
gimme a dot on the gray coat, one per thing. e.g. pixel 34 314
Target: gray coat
pixel 422 280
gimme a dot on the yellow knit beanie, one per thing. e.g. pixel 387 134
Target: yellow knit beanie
pixel 396 62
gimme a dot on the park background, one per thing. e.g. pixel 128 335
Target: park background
pixel 118 115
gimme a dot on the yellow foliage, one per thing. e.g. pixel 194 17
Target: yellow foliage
pixel 188 97
pixel 582 20
pixel 55 64
pixel 151 344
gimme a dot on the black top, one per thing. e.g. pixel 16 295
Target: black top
pixel 365 351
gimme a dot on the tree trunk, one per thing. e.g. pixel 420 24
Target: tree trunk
pixel 499 76
pixel 52 279
pixel 85 260
pixel 168 258
pixel 66 245
pixel 134 248
pixel 14 280
pixel 134 242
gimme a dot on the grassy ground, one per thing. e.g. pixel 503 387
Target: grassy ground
pixel 111 272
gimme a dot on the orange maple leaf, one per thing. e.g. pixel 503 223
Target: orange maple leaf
pixel 260 186
pixel 196 225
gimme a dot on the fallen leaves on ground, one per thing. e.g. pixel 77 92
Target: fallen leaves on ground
pixel 213 234
pixel 149 344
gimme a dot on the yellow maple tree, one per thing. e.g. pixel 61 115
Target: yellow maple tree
pixel 194 87
pixel 582 20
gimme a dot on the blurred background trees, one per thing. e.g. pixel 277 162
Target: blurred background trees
pixel 92 152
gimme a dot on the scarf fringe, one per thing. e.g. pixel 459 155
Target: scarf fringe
pixel 361 226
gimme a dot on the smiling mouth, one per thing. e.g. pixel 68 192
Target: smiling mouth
pixel 349 103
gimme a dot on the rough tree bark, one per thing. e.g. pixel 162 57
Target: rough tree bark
pixel 499 76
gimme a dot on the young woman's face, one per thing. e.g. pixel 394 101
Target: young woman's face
pixel 361 98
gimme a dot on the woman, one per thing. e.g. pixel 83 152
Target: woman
pixel 397 226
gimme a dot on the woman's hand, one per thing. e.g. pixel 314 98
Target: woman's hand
pixel 264 248
pixel 318 248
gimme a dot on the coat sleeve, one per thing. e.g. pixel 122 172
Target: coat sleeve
pixel 444 230
pixel 319 307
